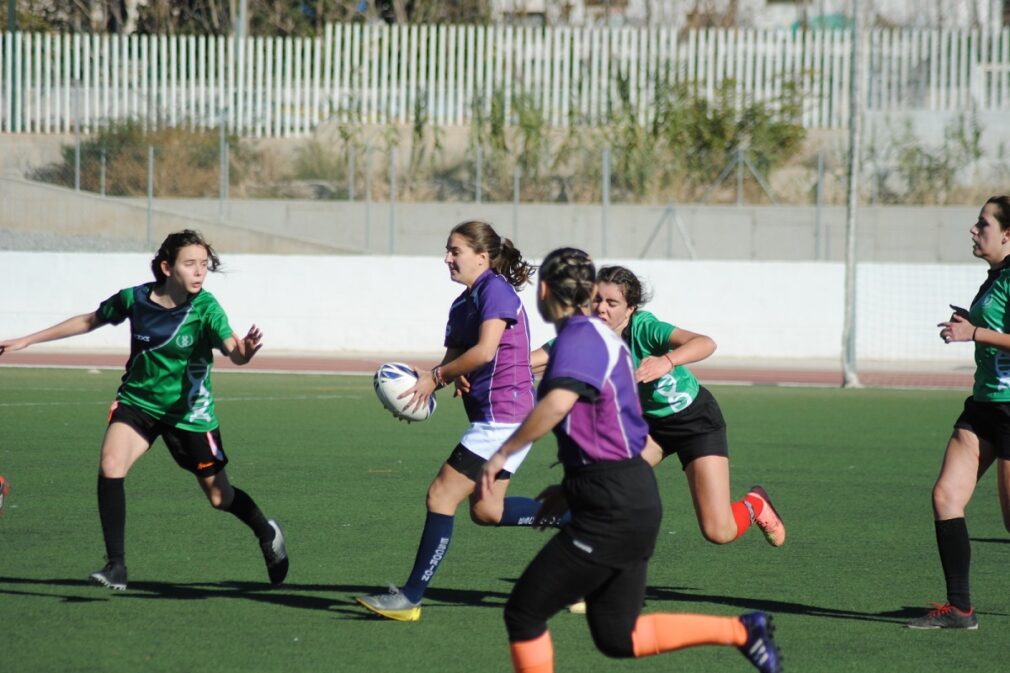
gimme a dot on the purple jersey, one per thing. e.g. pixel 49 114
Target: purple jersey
pixel 502 390
pixel 606 422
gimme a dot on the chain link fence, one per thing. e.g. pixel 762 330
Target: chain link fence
pixel 372 188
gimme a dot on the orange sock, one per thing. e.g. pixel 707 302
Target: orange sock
pixel 742 513
pixel 533 656
pixel 665 631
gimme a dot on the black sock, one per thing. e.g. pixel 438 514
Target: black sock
pixel 112 512
pixel 955 557
pixel 245 509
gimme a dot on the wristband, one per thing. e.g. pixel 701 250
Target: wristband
pixel 672 365
pixel 436 374
pixel 973 332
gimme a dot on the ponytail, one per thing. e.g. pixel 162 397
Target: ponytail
pixel 503 257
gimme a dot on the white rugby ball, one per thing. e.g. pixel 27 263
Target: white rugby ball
pixel 390 381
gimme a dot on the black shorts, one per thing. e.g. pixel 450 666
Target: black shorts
pixel 198 452
pixel 560 575
pixel 990 421
pixel 616 510
pixel 602 556
pixel 699 430
pixel 469 464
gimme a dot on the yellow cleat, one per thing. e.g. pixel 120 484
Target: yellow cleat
pixel 392 605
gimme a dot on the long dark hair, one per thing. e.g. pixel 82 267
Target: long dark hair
pixel 570 275
pixel 503 256
pixel 173 243
pixel 1002 210
pixel 631 285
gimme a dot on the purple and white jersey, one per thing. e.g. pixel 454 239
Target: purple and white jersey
pixel 606 422
pixel 502 390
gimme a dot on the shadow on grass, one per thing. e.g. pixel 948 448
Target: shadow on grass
pixel 283 595
pixel 315 596
pixel 290 595
pixel 898 616
pixel 993 540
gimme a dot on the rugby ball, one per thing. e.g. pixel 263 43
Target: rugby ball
pixel 391 380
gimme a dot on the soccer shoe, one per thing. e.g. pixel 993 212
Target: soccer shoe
pixel 760 648
pixel 578 607
pixel 769 520
pixel 392 605
pixel 946 617
pixel 5 489
pixel 275 553
pixel 112 576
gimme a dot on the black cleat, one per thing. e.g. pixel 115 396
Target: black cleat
pixel 275 553
pixel 112 576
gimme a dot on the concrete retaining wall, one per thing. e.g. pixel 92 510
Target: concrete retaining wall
pixel 314 304
pixel 885 234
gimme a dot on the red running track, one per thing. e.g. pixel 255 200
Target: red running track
pixel 361 364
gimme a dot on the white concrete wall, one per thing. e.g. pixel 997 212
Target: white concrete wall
pixel 314 304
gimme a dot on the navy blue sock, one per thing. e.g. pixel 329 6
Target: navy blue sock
pixel 430 552
pixel 519 511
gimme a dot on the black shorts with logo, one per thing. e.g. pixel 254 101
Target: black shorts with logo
pixel 990 421
pixel 201 453
pixel 699 430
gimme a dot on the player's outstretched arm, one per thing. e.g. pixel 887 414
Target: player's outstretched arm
pixel 241 350
pixel 685 347
pixel 79 324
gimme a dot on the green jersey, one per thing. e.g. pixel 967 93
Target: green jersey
pixel 168 372
pixel 674 391
pixel 989 310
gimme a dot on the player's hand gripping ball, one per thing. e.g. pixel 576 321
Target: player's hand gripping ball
pixel 390 381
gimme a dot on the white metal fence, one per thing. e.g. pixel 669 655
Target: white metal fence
pixel 446 75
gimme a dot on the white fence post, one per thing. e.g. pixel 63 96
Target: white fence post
pixel 375 73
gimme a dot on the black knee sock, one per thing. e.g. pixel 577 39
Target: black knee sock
pixel 245 509
pixel 112 512
pixel 955 557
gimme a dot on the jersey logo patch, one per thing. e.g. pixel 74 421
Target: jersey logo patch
pixel 184 341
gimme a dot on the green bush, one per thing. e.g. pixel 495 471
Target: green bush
pixel 187 162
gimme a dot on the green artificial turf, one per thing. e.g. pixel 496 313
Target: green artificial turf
pixel 849 470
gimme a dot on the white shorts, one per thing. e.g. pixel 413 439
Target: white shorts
pixel 484 438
